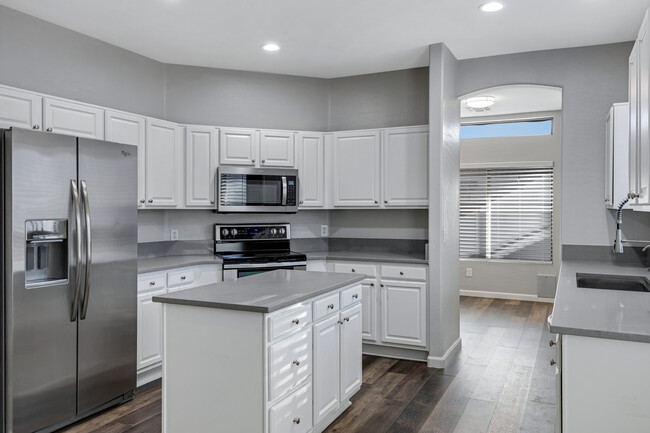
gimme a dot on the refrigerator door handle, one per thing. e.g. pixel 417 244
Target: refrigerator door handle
pixel 78 244
pixel 89 251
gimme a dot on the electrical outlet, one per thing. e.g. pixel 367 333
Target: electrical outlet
pixel 174 234
pixel 324 230
pixel 468 272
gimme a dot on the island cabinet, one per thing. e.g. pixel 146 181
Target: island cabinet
pixel 290 370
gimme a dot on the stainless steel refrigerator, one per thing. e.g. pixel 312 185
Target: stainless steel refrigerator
pixel 69 271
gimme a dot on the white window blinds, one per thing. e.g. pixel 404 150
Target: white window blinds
pixel 506 213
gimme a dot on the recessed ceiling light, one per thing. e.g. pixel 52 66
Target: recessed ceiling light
pixel 491 7
pixel 480 101
pixel 271 47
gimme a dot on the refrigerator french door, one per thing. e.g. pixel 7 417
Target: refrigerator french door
pixel 69 271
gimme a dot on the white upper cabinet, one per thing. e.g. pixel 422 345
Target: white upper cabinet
pixel 356 169
pixel 164 150
pixel 73 118
pixel 129 129
pixel 311 169
pixel 406 161
pixel 617 154
pixel 238 146
pixel 633 81
pixel 639 86
pixel 201 160
pixel 20 109
pixel 277 149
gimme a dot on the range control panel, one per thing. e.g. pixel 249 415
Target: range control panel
pixel 255 232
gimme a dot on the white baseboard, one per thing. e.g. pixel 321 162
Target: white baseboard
pixel 441 361
pixel 149 374
pixel 503 295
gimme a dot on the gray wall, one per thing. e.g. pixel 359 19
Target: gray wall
pixel 46 58
pixel 444 163
pixel 396 98
pixel 508 276
pixel 248 99
pixel 592 78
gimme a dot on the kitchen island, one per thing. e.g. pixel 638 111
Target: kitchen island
pixel 603 362
pixel 270 353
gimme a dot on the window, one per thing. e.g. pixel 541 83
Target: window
pixel 507 129
pixel 506 213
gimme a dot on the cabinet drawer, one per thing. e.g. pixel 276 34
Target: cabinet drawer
pixel 289 363
pixel 148 283
pixel 289 321
pixel 404 272
pixel 350 296
pixel 293 414
pixel 180 277
pixel 325 306
pixel 358 268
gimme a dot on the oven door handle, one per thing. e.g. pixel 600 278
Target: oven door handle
pixel 264 265
pixel 284 191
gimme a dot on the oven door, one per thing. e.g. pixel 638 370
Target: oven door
pixel 244 189
pixel 245 270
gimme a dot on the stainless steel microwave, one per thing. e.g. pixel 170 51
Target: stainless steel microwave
pixel 247 189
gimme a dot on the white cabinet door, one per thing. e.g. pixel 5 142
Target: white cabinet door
pixel 201 162
pixel 72 118
pixel 326 367
pixel 350 351
pixel 149 330
pixel 403 312
pixel 20 109
pixel 164 156
pixel 406 161
pixel 238 146
pixel 643 152
pixel 356 166
pixel 311 169
pixel 277 149
pixel 633 80
pixel 617 154
pixel 369 310
pixel 129 129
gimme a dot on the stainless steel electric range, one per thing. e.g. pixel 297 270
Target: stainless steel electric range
pixel 248 249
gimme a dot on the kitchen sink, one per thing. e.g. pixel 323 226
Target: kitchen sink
pixel 626 283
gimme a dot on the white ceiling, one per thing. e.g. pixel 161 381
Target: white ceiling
pixel 333 38
pixel 515 99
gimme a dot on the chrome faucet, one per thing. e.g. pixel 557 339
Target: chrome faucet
pixel 618 241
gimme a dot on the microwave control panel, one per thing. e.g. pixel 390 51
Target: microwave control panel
pixel 291 191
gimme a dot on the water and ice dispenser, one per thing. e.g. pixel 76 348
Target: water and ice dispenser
pixel 46 253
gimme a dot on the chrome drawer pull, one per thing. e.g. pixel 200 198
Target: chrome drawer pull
pixel 295 321
pixel 330 307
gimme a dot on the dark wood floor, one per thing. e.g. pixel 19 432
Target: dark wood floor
pixel 500 381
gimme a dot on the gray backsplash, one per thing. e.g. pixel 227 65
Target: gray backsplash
pixel 174 248
pixel 591 253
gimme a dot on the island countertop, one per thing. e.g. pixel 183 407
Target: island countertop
pixel 612 314
pixel 262 293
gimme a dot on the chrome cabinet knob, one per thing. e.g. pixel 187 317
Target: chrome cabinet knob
pixel 36 126
pixel 385 201
pixel 347 319
pixel 355 296
pixel 295 321
pixel 296 420
pixel 263 161
pixel 142 201
pixel 183 277
pixel 330 307
pixel 301 202
pixel 381 285
pixel 296 362
pixel 553 362
pixel 152 283
pixel 551 343
pixel 354 270
pixel 150 200
pixel 211 201
pixel 376 202
pixel 401 273
pixel 372 284
pixel 253 161
pixel 49 129
pixel 340 322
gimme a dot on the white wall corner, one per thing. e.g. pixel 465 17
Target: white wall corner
pixel 441 361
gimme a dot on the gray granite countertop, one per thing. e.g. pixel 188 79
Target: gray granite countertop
pixel 153 264
pixel 262 293
pixel 613 314
pixel 368 256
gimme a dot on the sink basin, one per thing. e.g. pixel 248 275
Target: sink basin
pixel 613 282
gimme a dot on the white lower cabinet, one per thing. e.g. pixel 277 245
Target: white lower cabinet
pixel 350 351
pixel 293 414
pixel 369 310
pixel 327 367
pixel 150 320
pixel 403 312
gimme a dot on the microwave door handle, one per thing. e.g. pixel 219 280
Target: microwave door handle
pixel 284 191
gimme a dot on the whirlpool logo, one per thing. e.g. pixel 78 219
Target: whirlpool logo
pixel 126 154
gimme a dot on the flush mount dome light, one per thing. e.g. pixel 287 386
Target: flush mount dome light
pixel 271 47
pixel 480 101
pixel 491 7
